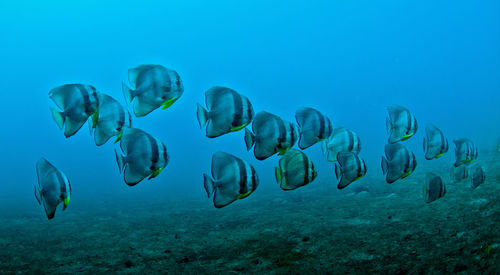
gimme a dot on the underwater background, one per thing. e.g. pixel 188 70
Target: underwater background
pixel 348 59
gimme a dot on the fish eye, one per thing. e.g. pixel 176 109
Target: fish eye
pixel 163 97
pixel 152 168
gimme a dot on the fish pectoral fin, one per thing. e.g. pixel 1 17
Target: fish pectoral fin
pixel 244 195
pixel 168 103
pixel 66 202
pixel 237 128
pixel 119 137
pixel 155 173
pixel 406 174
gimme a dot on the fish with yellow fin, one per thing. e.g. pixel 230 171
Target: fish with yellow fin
pixel 271 134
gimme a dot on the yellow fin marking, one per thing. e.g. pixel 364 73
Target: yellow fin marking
pixel 244 195
pixel 168 103
pixel 237 128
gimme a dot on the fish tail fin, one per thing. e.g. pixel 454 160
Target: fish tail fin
pixel 388 124
pixel 91 128
pixel 385 165
pixel 120 160
pixel 202 115
pixel 249 139
pixel 37 195
pixel 338 172
pixel 278 174
pixel 324 147
pixel 127 92
pixel 58 117
pixel 209 184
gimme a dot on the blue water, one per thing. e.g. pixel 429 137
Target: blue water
pixel 348 59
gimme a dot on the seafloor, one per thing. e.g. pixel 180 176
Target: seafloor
pixel 388 230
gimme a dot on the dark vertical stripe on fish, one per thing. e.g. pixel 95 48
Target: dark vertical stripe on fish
pixel 121 116
pixel 243 176
pixel 321 120
pixel 165 155
pixel 358 166
pixel 238 109
pixel 305 162
pixel 281 131
pixel 85 96
pixel 410 122
pixel 254 181
pixel 350 145
pixel 249 110
pixel 155 155
pixel 61 181
pixel 443 142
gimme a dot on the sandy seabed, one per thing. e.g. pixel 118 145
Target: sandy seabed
pixel 304 232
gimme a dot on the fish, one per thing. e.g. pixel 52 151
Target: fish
pixel 313 125
pixel 228 111
pixel 76 103
pixel 348 168
pixel 144 155
pixel 465 151
pixel 233 179
pixel 399 162
pixel 435 143
pixel 477 176
pixel 401 124
pixel 152 86
pixel 433 187
pixel 53 187
pixel 342 139
pixel 459 173
pixel 110 121
pixel 271 135
pixel 295 170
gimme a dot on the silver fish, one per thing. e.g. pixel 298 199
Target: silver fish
pixel 433 188
pixel 465 151
pixel 459 173
pixel 401 123
pixel 314 126
pixel 435 143
pixel 271 134
pixel 77 102
pixel 53 187
pixel 349 168
pixel 295 170
pixel 112 118
pixel 152 86
pixel 342 139
pixel 228 111
pixel 477 176
pixel 144 155
pixel 399 162
pixel 233 179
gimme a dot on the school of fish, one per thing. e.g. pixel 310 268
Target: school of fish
pixel 141 155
